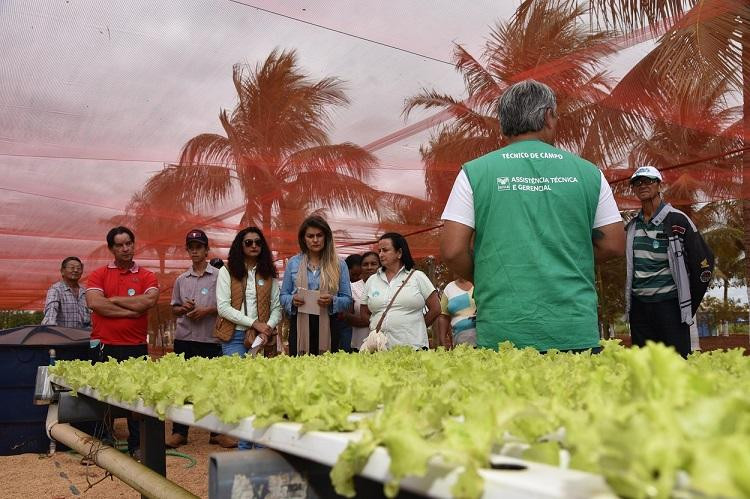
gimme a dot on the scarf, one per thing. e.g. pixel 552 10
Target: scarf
pixel 303 320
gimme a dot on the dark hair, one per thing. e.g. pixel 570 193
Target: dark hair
pixel 70 259
pixel 399 243
pixel 236 260
pixel 216 262
pixel 370 253
pixel 353 260
pixel 116 231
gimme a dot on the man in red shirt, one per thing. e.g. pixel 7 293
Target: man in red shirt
pixel 119 295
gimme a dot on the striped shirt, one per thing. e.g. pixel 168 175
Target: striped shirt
pixel 460 306
pixel 652 278
pixel 62 308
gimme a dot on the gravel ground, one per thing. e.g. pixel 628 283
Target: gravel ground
pixel 62 475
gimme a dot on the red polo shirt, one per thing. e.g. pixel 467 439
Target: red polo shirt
pixel 115 282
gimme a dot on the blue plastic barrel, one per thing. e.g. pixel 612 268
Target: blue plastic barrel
pixel 22 422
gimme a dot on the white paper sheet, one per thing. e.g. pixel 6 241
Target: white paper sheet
pixel 256 345
pixel 311 301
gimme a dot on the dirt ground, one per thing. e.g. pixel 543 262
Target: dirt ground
pixel 62 475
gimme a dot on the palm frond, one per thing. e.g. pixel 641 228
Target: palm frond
pixel 429 99
pixel 339 192
pixel 190 184
pixel 480 83
pixel 335 159
pixel 627 15
pixel 207 148
pixel 710 35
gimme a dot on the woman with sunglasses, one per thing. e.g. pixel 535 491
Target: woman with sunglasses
pixel 249 260
pixel 316 267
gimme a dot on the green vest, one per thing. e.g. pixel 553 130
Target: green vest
pixel 534 206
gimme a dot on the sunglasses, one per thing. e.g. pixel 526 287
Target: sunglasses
pixel 643 181
pixel 252 242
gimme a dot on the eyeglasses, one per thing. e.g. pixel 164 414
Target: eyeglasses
pixel 252 242
pixel 643 181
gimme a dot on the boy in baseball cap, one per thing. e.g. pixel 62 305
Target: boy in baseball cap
pixel 194 304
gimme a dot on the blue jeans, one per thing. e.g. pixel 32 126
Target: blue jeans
pixel 236 345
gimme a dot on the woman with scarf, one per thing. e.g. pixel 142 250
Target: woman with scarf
pixel 316 268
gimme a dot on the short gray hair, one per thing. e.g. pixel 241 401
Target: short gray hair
pixel 522 107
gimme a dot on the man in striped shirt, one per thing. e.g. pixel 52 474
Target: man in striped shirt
pixel 669 267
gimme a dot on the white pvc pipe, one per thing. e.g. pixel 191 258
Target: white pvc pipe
pixel 143 479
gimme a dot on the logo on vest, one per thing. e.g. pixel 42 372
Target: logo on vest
pixel 532 184
pixel 503 184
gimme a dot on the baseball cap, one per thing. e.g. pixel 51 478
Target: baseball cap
pixel 196 235
pixel 646 171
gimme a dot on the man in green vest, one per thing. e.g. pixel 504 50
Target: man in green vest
pixel 539 217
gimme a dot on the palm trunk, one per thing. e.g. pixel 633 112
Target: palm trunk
pixel 746 154
pixel 162 260
pixel 267 217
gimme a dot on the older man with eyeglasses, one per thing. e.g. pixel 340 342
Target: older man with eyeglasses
pixel 669 267
pixel 66 299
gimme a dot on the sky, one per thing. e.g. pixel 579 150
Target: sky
pixel 96 96
pixel 135 80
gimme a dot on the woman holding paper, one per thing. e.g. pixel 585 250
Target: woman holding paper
pixel 396 296
pixel 316 286
pixel 250 262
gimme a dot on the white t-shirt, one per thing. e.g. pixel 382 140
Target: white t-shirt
pixel 460 205
pixel 404 322
pixel 358 333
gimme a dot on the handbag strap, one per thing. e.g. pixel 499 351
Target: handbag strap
pixel 393 298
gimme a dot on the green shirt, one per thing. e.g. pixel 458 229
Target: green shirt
pixel 534 207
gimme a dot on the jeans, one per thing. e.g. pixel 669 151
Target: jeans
pixel 236 345
pixel 344 332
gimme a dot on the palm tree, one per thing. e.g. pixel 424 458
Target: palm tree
pixel 701 33
pixel 544 40
pixel 704 37
pixel 411 216
pixel 689 127
pixel 159 223
pixel 724 235
pixel 275 148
